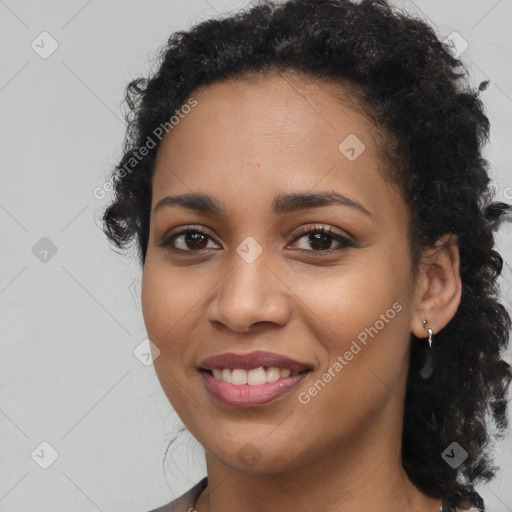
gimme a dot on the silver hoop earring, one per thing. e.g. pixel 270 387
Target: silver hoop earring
pixel 427 369
pixel 430 334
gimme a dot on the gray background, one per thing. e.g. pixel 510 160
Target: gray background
pixel 70 321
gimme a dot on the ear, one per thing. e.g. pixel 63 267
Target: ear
pixel 438 287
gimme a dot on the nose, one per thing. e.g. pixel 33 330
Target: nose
pixel 249 294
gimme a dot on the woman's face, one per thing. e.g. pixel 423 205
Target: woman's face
pixel 339 303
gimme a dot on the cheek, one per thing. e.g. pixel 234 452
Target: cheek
pixel 166 300
pixel 350 299
pixel 154 304
pixel 171 307
pixel 361 315
pixel 364 330
pixel 164 311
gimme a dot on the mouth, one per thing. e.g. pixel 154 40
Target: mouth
pixel 253 379
pixel 247 388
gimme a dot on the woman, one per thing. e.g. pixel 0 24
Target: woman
pixel 314 221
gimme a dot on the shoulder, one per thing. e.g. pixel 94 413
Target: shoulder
pixel 185 502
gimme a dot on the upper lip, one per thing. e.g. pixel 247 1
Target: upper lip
pixel 252 360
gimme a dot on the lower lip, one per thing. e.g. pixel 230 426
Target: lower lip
pixel 248 396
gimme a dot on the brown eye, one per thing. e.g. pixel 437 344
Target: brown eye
pixel 189 240
pixel 321 238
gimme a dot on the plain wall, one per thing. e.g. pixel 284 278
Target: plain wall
pixel 70 324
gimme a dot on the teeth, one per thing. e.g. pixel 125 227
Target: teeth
pixel 273 374
pixel 285 372
pixel 226 375
pixel 254 377
pixel 238 377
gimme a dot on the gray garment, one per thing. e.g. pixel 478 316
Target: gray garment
pixel 186 502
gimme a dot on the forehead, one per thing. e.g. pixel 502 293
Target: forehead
pixel 270 133
pixel 278 114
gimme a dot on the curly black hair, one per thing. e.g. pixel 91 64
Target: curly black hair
pixel 433 127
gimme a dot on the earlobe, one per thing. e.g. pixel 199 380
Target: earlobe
pixel 439 287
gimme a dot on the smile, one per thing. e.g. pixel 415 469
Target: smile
pixel 255 377
pixel 244 394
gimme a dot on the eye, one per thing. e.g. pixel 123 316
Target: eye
pixel 196 240
pixel 320 238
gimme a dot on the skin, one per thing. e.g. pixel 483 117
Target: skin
pixel 244 143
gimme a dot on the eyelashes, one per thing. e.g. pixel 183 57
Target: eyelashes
pixel 169 240
pixel 199 237
pixel 325 232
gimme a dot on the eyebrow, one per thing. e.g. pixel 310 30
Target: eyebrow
pixel 284 203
